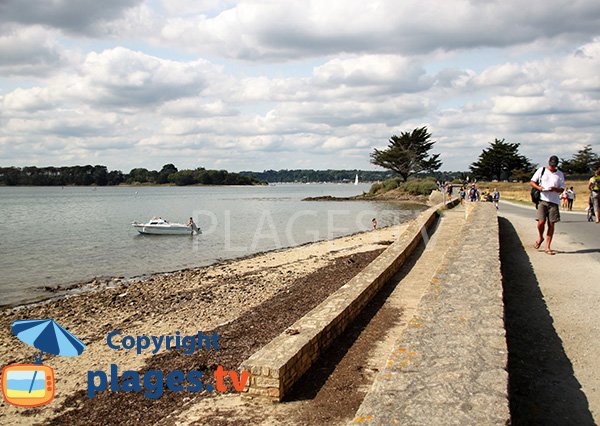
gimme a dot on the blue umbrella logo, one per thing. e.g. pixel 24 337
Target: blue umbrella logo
pixel 49 337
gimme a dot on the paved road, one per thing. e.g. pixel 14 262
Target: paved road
pixel 552 315
pixel 573 227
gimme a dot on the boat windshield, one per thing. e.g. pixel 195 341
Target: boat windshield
pixel 158 222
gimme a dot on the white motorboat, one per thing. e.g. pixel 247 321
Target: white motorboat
pixel 162 227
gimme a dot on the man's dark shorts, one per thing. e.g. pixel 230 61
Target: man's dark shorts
pixel 548 211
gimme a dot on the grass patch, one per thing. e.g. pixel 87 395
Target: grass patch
pixel 521 192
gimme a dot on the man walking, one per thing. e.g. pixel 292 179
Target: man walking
pixel 551 183
pixel 496 197
pixel 473 193
pixel 570 198
pixel 595 193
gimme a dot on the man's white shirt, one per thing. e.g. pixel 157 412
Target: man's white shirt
pixel 549 180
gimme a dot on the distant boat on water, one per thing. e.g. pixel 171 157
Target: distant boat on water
pixel 162 227
pixel 356 180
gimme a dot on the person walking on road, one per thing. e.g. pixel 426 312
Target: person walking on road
pixel 462 193
pixel 551 184
pixel 595 189
pixel 496 197
pixel 570 198
pixel 449 190
pixel 564 199
pixel 473 193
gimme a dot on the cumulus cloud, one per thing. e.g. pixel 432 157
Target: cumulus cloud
pixel 30 51
pixel 392 72
pixel 268 84
pixel 73 16
pixel 285 30
pixel 123 78
pixel 28 101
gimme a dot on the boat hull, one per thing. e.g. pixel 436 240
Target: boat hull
pixel 169 229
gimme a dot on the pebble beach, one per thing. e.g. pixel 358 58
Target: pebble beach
pixel 186 301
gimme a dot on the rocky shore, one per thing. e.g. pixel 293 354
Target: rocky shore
pixel 393 195
pixel 285 284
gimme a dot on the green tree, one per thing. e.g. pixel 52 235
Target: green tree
pixel 500 161
pixel 100 174
pixel 139 175
pixel 408 154
pixel 165 172
pixel 582 163
pixel 115 177
pixel 10 176
pixel 182 178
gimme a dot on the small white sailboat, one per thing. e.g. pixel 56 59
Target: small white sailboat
pixel 356 180
pixel 162 227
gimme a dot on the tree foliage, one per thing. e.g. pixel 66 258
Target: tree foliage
pixel 100 176
pixel 166 171
pixel 584 162
pixel 309 175
pixel 501 161
pixel 408 154
pixel 52 176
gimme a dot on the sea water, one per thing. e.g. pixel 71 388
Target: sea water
pixel 62 235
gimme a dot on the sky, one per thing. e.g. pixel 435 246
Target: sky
pixel 266 84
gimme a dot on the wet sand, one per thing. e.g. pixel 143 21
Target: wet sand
pixel 202 299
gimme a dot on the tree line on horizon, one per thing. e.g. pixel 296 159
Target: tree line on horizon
pixel 406 155
pixel 310 175
pixel 100 175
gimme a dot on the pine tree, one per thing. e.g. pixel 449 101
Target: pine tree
pixel 408 154
pixel 500 161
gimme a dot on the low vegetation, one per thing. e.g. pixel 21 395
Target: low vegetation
pixel 411 187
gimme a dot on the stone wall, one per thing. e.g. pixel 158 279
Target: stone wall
pixel 279 364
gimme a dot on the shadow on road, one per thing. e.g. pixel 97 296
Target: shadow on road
pixel 542 385
pixel 597 250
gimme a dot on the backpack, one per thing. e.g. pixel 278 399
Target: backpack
pixel 596 187
pixel 535 193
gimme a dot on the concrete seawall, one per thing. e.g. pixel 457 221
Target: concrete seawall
pixel 448 367
pixel 278 365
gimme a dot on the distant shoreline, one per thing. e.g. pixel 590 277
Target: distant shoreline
pixel 129 185
pixel 388 196
pixel 138 185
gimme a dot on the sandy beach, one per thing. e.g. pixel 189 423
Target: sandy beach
pixel 187 301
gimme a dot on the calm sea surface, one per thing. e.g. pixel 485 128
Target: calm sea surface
pixel 55 236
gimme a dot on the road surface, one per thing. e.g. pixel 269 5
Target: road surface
pixel 552 315
pixel 573 229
